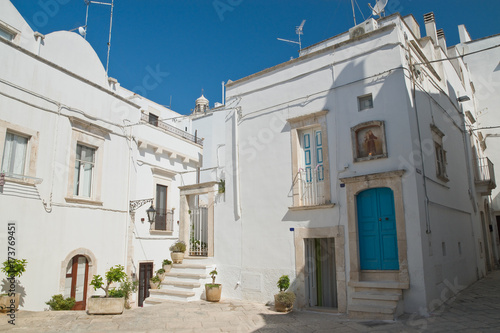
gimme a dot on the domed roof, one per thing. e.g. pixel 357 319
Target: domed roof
pixel 202 100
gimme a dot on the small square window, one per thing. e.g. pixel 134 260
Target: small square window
pixel 6 35
pixel 365 102
pixel 153 119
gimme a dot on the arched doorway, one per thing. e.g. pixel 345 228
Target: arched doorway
pixel 76 282
pixel 377 233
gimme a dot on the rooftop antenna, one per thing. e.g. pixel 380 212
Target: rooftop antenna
pixel 83 31
pixel 298 31
pixel 353 12
pixel 379 7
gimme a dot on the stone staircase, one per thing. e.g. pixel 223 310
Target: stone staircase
pixel 184 283
pixel 376 300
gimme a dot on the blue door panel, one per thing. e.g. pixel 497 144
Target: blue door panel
pixel 377 232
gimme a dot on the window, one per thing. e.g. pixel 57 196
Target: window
pixel 163 219
pixel 85 162
pixel 7 35
pixel 365 102
pixel 310 165
pixel 153 119
pixel 14 154
pixel 312 152
pixel 84 166
pixel 437 136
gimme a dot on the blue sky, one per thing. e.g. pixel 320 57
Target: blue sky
pixel 192 45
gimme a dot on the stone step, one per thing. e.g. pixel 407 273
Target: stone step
pixel 181 284
pixel 380 285
pixel 373 295
pixel 184 275
pixel 158 293
pixel 154 301
pixel 192 268
pixel 379 312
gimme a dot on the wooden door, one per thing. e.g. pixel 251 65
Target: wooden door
pixel 378 247
pixel 145 273
pixel 77 273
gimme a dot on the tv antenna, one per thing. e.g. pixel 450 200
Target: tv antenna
pixel 83 30
pixel 298 31
pixel 379 7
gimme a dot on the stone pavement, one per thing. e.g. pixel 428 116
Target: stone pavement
pixel 475 309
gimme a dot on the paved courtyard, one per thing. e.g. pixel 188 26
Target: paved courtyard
pixel 475 309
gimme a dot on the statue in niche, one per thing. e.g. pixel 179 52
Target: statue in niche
pixel 369 142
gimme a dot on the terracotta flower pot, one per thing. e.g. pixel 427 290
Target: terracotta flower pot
pixel 177 257
pixel 8 303
pixel 154 285
pixel 167 268
pixel 213 292
pixel 105 305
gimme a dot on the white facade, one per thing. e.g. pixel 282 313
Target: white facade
pixel 335 90
pixel 79 152
pixel 482 62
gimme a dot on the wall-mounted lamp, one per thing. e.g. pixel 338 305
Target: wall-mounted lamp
pixel 151 214
pixel 462 99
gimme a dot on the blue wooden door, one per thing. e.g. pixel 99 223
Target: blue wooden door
pixel 378 246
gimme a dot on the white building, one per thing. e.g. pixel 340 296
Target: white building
pixel 349 169
pixel 482 61
pixel 81 155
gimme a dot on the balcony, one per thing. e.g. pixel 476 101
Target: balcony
pixel 164 221
pixel 311 187
pixel 171 129
pixel 484 176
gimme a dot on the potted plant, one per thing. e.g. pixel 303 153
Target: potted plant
pixel 213 290
pixel 177 252
pixel 59 303
pixel 283 301
pixel 161 274
pixel 13 268
pixel 112 302
pixel 167 265
pixel 154 282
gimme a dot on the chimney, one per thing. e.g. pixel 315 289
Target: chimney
pixel 430 27
pixel 464 34
pixel 442 40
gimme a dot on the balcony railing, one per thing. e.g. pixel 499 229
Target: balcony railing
pixel 484 176
pixel 311 186
pixel 171 129
pixel 164 220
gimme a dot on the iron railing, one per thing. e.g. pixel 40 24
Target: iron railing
pixel 198 240
pixel 311 186
pixel 484 171
pixel 164 220
pixel 171 129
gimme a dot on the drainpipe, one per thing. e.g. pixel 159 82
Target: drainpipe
pixel 236 166
pixel 39 37
pixel 48 205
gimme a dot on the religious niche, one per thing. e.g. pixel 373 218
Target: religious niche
pixel 368 140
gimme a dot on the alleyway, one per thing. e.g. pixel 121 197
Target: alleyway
pixel 475 309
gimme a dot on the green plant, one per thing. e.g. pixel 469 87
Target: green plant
pixel 222 186
pixel 58 303
pixel 213 275
pixel 283 283
pixel 160 271
pixel 166 262
pixel 178 246
pixel 155 279
pixel 286 298
pixel 116 293
pixel 14 267
pixel 114 274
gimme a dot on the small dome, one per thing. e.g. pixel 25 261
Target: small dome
pixel 202 100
